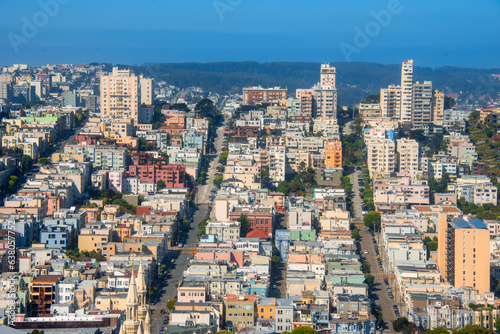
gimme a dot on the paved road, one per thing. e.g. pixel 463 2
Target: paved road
pixel 279 273
pixel 189 239
pixel 366 243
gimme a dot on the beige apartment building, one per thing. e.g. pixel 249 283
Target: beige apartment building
pixel 147 92
pixel 381 155
pixel 240 311
pixel 93 239
pixel 462 258
pixel 390 102
pixel 120 95
pixel 421 104
pixel 408 156
pixel 305 97
pixel 370 110
pixel 438 107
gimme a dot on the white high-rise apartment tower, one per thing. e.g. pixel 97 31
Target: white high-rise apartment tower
pixel 406 90
pixel 325 93
pixel 327 75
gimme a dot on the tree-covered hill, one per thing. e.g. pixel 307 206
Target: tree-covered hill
pixel 355 80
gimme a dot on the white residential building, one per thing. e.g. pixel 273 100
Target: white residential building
pixel 476 189
pixel 225 231
pixel 408 156
pixel 406 91
pixel 381 155
pixel 277 163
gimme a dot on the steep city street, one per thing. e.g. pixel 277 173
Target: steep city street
pixel 379 292
pixel 178 258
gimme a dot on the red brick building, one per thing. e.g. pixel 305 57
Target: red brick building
pixel 246 131
pixel 260 217
pixel 300 119
pixel 255 95
pixel 89 139
pixel 174 176
pixel 143 158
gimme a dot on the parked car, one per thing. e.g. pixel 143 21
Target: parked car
pixel 366 251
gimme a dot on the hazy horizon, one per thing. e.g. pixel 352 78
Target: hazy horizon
pixel 446 33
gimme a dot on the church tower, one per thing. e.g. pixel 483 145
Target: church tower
pixel 131 323
pixel 142 291
pixel 147 323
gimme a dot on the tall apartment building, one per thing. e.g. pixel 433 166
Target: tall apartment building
pixel 463 259
pixel 381 155
pixel 406 90
pixel 4 91
pixel 408 156
pixel 70 99
pixel 45 78
pixel 120 95
pixel 437 107
pixel 327 76
pixel 23 93
pixel 306 100
pixel 325 93
pixel 255 95
pixel 90 102
pixel 326 101
pixel 390 101
pixel 277 163
pixel 333 154
pixel 147 91
pixel 421 113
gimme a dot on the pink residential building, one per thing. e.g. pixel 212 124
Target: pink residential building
pixel 230 256
pixel 192 292
pixel 115 181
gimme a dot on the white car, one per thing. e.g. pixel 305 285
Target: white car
pixel 366 251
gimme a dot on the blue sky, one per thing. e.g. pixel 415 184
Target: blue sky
pixel 434 33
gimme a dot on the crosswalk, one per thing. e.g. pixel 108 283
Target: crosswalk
pixel 381 274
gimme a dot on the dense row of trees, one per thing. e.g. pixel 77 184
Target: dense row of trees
pixel 357 77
